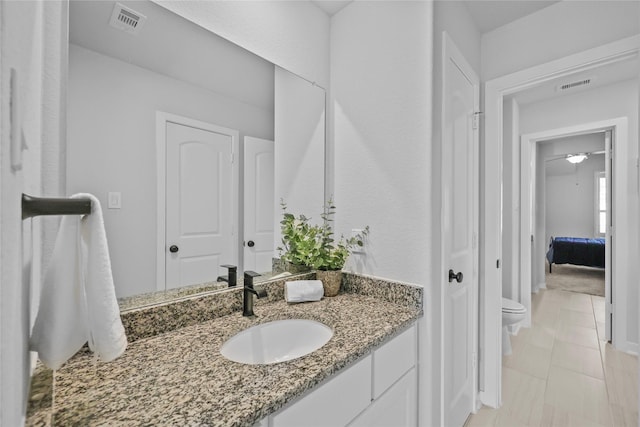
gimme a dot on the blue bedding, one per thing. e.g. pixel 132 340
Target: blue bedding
pixel 577 251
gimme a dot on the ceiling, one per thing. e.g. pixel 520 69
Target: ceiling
pixel 487 14
pixel 490 14
pixel 161 46
pixel 331 7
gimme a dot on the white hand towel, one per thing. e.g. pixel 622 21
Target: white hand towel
pixel 303 290
pixel 78 301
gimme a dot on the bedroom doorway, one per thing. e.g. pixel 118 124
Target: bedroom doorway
pixel 596 139
pixel 501 169
pixel 577 210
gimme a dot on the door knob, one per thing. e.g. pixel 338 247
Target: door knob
pixel 173 249
pixel 453 276
pixel 251 243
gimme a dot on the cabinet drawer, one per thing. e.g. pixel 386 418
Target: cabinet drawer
pixel 393 360
pixel 334 403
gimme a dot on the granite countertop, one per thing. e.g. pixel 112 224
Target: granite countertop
pixel 180 378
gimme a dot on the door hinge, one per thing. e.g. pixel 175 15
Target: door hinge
pixel 498 263
pixel 233 157
pixel 476 119
pixel 474 360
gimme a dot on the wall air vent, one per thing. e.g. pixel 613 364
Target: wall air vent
pixel 576 84
pixel 126 19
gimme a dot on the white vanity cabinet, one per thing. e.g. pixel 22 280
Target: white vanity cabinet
pixel 398 406
pixel 333 403
pixel 379 390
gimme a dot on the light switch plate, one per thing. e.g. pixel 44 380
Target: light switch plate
pixel 115 200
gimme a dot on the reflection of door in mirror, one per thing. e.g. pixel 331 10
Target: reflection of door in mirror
pixel 199 210
pixel 258 204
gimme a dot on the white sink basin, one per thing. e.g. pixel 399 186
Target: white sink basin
pixel 276 341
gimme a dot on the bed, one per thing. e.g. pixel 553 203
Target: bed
pixel 577 251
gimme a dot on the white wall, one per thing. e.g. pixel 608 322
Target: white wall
pixel 570 194
pixel 31 35
pixel 511 201
pixel 112 145
pixel 381 97
pixel 556 31
pixel 299 148
pixel 608 102
pixel 292 34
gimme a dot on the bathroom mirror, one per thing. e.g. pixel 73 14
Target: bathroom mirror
pixel 172 128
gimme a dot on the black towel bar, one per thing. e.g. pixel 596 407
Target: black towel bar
pixel 36 206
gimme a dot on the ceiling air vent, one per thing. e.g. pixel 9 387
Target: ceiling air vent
pixel 576 84
pixel 126 19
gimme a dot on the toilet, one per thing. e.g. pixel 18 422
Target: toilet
pixel 512 313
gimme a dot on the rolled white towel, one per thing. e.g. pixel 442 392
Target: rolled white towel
pixel 303 290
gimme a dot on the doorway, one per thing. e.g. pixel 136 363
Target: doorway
pixel 197 218
pixel 259 209
pixel 491 215
pixel 534 233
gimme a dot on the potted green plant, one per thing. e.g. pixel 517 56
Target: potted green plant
pixel 329 256
pixel 299 241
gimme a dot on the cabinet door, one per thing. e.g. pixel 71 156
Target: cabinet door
pixel 393 360
pixel 334 403
pixel 397 407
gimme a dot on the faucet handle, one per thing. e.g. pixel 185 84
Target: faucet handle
pixel 250 273
pixel 233 274
pixel 248 278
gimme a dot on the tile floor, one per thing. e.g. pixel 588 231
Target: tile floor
pixel 562 371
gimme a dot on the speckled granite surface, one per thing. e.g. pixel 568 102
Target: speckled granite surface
pixel 396 292
pixel 175 375
pixel 150 299
pixel 149 321
pixel 154 298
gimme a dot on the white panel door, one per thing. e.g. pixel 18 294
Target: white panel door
pixel 460 189
pixel 199 224
pixel 258 204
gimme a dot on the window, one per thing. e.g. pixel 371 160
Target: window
pixel 601 203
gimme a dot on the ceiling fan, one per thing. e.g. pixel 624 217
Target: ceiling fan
pixel 574 158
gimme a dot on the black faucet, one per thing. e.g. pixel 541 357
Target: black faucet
pixel 247 306
pixel 232 277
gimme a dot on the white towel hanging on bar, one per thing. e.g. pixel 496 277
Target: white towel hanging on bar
pixel 78 301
